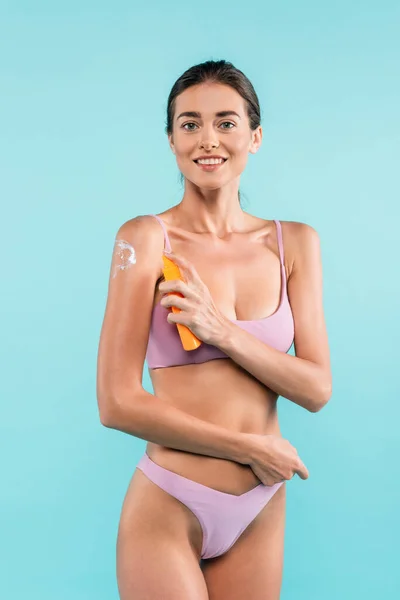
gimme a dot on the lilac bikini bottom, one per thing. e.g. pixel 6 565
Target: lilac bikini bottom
pixel 223 517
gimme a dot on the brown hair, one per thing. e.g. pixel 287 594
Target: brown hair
pixel 216 71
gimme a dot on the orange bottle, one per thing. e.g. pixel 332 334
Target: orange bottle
pixel 188 339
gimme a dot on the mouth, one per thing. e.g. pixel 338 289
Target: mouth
pixel 210 167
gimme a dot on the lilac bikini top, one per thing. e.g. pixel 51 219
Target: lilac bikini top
pixel 165 349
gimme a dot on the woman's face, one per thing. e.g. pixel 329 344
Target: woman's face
pixel 207 134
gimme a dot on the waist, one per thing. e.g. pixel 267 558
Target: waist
pixel 219 391
pixel 223 397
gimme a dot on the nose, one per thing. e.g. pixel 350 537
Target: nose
pixel 208 140
pixel 209 145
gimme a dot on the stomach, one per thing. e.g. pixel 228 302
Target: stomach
pixel 219 392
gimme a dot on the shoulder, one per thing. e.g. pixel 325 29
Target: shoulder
pixel 292 231
pixel 143 236
pixel 298 233
pixel 300 240
pixel 142 228
pixel 140 239
pixel 298 230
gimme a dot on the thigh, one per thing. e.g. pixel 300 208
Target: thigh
pixel 157 546
pixel 253 567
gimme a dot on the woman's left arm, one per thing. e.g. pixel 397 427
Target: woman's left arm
pixel 305 378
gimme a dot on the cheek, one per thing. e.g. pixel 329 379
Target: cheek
pixel 183 154
pixel 242 144
pixel 239 160
pixel 242 151
pixel 243 159
pixel 183 144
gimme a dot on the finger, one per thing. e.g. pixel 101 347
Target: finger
pixel 302 470
pixel 174 285
pixel 176 318
pixel 174 300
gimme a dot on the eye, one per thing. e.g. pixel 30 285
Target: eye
pixel 224 123
pixel 228 123
pixel 184 125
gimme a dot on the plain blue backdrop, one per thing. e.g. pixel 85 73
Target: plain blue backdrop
pixel 84 89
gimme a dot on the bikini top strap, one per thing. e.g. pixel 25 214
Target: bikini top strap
pixel 167 244
pixel 280 242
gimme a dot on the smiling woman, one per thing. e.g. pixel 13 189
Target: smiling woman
pixel 209 492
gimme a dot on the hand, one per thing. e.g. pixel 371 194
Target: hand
pixel 198 311
pixel 274 459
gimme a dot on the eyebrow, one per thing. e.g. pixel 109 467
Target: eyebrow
pixel 197 115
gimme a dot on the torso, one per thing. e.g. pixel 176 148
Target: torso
pixel 220 391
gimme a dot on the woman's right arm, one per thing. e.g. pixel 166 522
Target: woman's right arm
pixel 123 403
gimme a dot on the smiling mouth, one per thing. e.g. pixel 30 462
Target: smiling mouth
pixel 208 165
pixel 211 166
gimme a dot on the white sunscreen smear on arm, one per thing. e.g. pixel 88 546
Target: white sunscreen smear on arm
pixel 124 256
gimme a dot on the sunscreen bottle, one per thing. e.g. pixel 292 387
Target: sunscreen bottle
pixel 188 339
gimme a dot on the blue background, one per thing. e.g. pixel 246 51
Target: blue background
pixel 84 89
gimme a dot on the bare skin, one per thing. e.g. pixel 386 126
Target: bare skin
pixel 236 255
pixel 220 392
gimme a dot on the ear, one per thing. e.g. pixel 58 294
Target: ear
pixel 171 142
pixel 256 138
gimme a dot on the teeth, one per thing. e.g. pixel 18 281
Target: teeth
pixel 210 161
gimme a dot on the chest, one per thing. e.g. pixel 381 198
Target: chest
pixel 244 276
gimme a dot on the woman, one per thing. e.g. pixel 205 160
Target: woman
pixel 204 513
